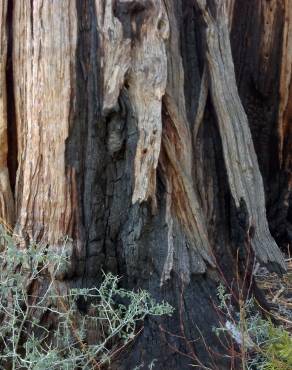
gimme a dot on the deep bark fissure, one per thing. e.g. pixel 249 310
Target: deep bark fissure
pixel 11 122
pixel 85 147
pixel 6 197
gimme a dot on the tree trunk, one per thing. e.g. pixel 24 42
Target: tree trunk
pixel 157 135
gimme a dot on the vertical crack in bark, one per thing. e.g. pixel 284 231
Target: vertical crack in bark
pixel 11 124
pixel 86 145
pixel 6 198
pixel 241 162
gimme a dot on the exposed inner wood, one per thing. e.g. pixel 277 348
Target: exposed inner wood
pixel 230 10
pixel 147 81
pixel 134 50
pixel 6 199
pixel 116 56
pixel 177 155
pixel 43 60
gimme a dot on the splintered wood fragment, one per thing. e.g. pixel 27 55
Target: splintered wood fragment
pixel 45 36
pixel 6 199
pixel 116 56
pixel 147 82
pixel 244 176
pixel 132 36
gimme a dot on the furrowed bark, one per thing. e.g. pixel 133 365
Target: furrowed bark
pixel 6 198
pixel 132 140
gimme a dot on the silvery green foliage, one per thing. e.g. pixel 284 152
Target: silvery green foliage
pixel 41 326
pixel 267 347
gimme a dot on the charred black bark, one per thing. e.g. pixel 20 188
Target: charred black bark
pixel 156 242
pixel 128 239
pixel 86 148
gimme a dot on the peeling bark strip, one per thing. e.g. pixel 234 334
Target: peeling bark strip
pixel 134 50
pixel 6 199
pixel 43 55
pixel 240 159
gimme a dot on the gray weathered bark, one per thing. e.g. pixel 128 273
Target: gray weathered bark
pixel 157 135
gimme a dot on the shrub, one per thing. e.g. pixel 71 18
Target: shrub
pixel 265 345
pixel 41 326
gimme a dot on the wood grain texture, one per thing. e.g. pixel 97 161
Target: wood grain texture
pixel 43 61
pixel 147 82
pixel 132 35
pixel 176 162
pixel 116 56
pixel 6 199
pixel 230 10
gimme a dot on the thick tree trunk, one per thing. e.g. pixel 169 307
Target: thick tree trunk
pixel 157 135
